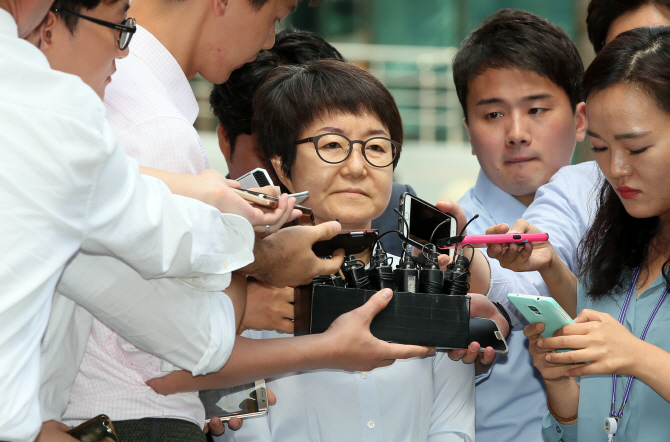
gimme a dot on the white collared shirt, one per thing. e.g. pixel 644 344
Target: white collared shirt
pixel 65 185
pixel 417 400
pixel 152 109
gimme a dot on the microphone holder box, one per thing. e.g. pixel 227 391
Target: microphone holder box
pixel 435 320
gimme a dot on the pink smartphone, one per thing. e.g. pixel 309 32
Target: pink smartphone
pixel 483 240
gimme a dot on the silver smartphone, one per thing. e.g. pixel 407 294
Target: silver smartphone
pixel 241 401
pixel 423 223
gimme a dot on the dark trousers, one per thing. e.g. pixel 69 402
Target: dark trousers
pixel 158 430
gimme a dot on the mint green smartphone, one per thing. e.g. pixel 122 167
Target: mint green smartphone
pixel 542 309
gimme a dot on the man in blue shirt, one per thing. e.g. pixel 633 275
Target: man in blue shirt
pixel 524 113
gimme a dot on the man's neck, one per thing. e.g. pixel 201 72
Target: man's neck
pixel 175 25
pixel 526 200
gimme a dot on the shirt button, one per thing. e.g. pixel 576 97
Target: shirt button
pixel 225 265
pixel 371 424
pixel 558 429
pixel 364 375
pixel 190 279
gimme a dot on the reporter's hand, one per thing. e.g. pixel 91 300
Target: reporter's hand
pixel 268 307
pixel 481 307
pixel 455 210
pixel 217 428
pixel 550 372
pixel 53 431
pixel 286 258
pixel 525 257
pixel 602 346
pixel 354 348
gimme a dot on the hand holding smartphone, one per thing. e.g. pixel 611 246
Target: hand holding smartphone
pixel 482 241
pixel 270 201
pixel 241 401
pixel 542 309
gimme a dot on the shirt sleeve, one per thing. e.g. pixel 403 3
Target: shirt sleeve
pixel 191 329
pixel 137 219
pixel 561 209
pixel 453 414
pixel 556 432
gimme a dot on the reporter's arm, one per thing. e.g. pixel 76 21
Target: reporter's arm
pixel 346 345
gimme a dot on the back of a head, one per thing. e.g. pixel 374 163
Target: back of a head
pixel 293 97
pixel 516 39
pixel 640 56
pixel 232 101
pixel 602 13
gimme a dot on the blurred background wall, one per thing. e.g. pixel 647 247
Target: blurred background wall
pixel 409 45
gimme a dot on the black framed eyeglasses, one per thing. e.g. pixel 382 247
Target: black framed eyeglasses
pixel 126 28
pixel 336 148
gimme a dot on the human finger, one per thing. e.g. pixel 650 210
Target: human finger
pixel 235 423
pixel 533 330
pixel 215 427
pixel 454 209
pixel 272 399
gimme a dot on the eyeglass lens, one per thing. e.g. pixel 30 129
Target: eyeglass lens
pixel 125 36
pixel 334 148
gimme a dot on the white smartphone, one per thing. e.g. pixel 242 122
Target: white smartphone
pixel 424 223
pixel 241 401
pixel 258 177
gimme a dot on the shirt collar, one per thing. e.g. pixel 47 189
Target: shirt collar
pixel 502 206
pixel 8 26
pixel 167 70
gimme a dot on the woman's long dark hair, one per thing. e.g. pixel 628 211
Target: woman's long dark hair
pixel 616 243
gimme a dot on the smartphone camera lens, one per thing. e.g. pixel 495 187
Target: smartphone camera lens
pixel 534 310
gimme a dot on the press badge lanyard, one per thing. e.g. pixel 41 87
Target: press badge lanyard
pixel 611 421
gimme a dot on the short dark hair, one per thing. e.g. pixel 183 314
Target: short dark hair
pixel 77 6
pixel 602 13
pixel 292 97
pixel 616 243
pixel 512 38
pixel 232 101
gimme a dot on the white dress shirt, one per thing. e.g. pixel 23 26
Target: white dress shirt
pixel 563 208
pixel 510 396
pixel 152 109
pixel 420 399
pixel 65 185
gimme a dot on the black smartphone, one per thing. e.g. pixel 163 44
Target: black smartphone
pixel 486 332
pixel 98 429
pixel 422 223
pixel 352 241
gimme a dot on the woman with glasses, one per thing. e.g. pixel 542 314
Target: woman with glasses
pixel 332 129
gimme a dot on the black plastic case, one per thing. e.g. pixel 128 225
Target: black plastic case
pixel 410 318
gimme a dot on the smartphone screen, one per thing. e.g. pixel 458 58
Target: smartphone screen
pixel 234 401
pixel 427 224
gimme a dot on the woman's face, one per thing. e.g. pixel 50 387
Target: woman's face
pixel 631 141
pixel 353 191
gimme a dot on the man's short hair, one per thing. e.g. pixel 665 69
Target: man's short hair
pixel 293 97
pixel 232 101
pixel 77 6
pixel 515 39
pixel 601 14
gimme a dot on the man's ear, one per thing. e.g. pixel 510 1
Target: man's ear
pixel 276 165
pixel 580 121
pixel 467 128
pixel 224 142
pixel 46 31
pixel 220 6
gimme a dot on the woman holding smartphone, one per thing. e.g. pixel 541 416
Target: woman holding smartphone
pixel 334 130
pixel 622 349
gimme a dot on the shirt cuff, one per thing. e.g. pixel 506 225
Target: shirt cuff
pixel 222 335
pixel 555 431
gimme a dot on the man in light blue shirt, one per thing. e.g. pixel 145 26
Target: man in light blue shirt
pixel 524 116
